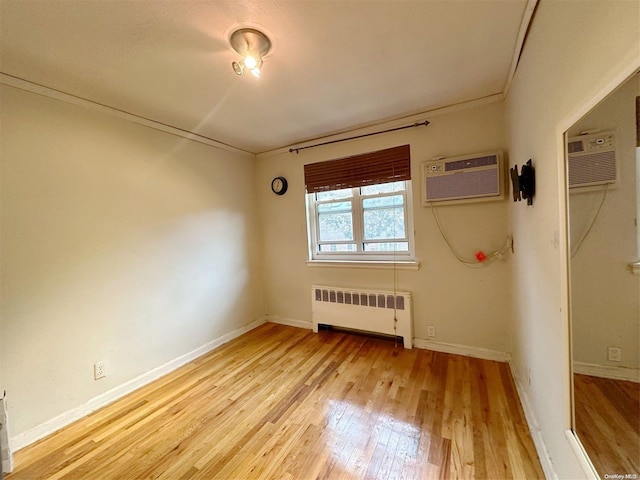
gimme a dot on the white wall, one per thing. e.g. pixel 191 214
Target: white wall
pixel 605 308
pixel 467 306
pixel 574 53
pixel 120 244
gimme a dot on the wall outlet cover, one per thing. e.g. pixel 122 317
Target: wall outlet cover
pixel 614 354
pixel 99 370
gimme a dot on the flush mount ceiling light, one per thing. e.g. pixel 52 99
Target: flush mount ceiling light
pixel 251 45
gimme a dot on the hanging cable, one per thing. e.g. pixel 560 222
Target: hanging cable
pixel 574 250
pixel 490 257
pixel 395 273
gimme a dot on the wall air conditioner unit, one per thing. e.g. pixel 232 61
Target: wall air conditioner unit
pixel 592 160
pixel 470 178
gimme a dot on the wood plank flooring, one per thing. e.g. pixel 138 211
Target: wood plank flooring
pixel 284 403
pixel 608 424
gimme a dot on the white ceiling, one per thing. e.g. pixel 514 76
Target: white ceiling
pixel 335 65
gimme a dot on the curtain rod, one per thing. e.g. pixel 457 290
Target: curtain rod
pixel 418 124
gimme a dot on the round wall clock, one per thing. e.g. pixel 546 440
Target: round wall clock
pixel 279 185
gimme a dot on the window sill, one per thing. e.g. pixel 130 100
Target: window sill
pixel 635 268
pixel 366 264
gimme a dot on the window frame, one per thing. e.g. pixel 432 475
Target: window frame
pixel 357 213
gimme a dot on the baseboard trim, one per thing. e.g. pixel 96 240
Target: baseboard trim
pixel 607 371
pixel 56 423
pixel 475 352
pixel 6 457
pixel 534 428
pixel 289 322
pixel 467 351
pixel 580 453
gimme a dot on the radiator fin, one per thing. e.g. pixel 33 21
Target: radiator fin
pixel 362 299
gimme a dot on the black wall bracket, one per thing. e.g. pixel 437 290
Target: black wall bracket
pixel 524 183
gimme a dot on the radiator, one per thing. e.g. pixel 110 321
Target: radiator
pixel 366 310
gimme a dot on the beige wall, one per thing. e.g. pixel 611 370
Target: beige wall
pixel 605 309
pixel 575 51
pixel 120 244
pixel 467 306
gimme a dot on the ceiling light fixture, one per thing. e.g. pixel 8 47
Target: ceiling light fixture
pixel 251 45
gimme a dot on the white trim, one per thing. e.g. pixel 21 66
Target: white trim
pixel 6 455
pixel 534 428
pixel 635 268
pixel 7 465
pixel 527 17
pixel 409 265
pixel 52 425
pixel 307 325
pixel 580 453
pixel 607 371
pixel 114 112
pixel 467 351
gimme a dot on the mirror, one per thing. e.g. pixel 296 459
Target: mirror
pixel 603 160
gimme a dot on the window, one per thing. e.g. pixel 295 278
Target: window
pixel 370 220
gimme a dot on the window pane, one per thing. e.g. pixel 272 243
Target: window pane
pixel 334 207
pixel 384 223
pixel 366 222
pixel 386 247
pixel 338 247
pixel 334 194
pixel 382 188
pixel 390 201
pixel 335 226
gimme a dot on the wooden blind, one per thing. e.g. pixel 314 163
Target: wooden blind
pixel 383 166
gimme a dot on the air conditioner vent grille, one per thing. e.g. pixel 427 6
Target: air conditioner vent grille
pixel 462 185
pixel 471 163
pixel 598 167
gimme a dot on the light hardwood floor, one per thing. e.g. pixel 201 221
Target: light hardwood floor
pixel 283 403
pixel 608 424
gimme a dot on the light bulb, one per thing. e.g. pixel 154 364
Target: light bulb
pixel 250 62
pixel 256 72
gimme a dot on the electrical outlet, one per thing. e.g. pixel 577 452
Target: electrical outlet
pixel 614 354
pixel 431 331
pixel 99 371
